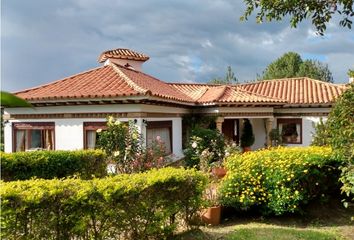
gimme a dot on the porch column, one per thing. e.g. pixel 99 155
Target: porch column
pixel 219 121
pixel 269 126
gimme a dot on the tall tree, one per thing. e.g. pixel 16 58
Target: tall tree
pixel 292 65
pixel 230 78
pixel 320 11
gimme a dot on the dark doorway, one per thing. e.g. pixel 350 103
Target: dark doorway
pixel 231 129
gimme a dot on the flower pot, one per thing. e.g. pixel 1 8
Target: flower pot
pixel 218 172
pixel 246 149
pixel 212 215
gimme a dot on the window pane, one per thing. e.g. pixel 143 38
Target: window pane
pixel 163 134
pixel 20 140
pixel 290 132
pixel 36 139
pixel 91 139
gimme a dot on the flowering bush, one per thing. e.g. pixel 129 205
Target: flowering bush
pixel 205 145
pixel 279 180
pixel 123 144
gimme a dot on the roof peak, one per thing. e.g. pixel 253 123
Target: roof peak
pixel 122 53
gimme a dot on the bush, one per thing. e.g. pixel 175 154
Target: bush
pixel 279 180
pixel 52 164
pixel 340 127
pixel 247 137
pixel 136 206
pixel 207 141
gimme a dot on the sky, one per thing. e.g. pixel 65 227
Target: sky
pixel 187 40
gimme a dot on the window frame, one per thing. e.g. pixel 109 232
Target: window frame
pixel 291 121
pixel 92 126
pixel 28 126
pixel 161 124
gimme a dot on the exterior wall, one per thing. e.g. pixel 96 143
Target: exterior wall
pixel 69 134
pixel 259 133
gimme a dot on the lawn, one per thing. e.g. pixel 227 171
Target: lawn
pixel 322 222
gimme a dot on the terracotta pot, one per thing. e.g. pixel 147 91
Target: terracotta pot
pixel 218 172
pixel 212 215
pixel 246 149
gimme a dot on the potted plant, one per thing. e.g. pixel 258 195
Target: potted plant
pixel 217 169
pixel 212 214
pixel 247 137
pixel 275 137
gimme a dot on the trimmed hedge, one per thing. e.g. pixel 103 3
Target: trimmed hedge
pixel 279 180
pixel 53 164
pixel 136 206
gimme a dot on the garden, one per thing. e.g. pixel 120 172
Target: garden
pixel 274 193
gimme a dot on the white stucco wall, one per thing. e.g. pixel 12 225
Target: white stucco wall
pixel 69 133
pixel 259 133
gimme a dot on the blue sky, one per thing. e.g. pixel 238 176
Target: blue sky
pixel 187 41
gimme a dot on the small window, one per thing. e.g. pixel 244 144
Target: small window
pixel 161 130
pixel 33 136
pixel 90 133
pixel 290 130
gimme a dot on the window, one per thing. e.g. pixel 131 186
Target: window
pixel 33 136
pixel 161 129
pixel 90 133
pixel 290 130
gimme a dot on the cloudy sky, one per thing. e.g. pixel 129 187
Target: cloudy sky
pixel 187 41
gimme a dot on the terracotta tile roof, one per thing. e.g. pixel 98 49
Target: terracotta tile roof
pixel 122 53
pixel 297 90
pixel 95 83
pixel 153 86
pixel 204 93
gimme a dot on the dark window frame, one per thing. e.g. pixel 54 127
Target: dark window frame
pixel 291 121
pixel 161 124
pixel 28 126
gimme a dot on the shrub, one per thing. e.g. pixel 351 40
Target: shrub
pixel 134 206
pixel 122 142
pixel 207 141
pixel 247 137
pixel 52 164
pixel 340 127
pixel 279 180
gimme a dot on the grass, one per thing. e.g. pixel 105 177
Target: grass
pixel 330 221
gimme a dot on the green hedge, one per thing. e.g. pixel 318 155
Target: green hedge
pixel 279 180
pixel 52 164
pixel 137 206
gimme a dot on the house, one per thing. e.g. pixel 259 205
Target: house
pixel 67 112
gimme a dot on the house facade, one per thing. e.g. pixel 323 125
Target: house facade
pixel 67 113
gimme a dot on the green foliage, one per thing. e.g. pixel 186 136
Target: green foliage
pixel 315 70
pixel 230 78
pixel 291 65
pixel 340 125
pixel 147 205
pixel 350 73
pixel 247 137
pixel 321 136
pixel 207 141
pixel 320 12
pixel 10 100
pixel 122 143
pixel 52 164
pixel 279 180
pixel 274 135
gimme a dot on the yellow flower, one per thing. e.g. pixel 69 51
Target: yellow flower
pixel 305 171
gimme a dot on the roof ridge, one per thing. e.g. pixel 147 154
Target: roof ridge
pixel 200 84
pixel 130 82
pixel 60 80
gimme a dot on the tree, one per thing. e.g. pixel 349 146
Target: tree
pixel 340 127
pixel 316 70
pixel 320 11
pixel 292 65
pixel 230 78
pixel 247 137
